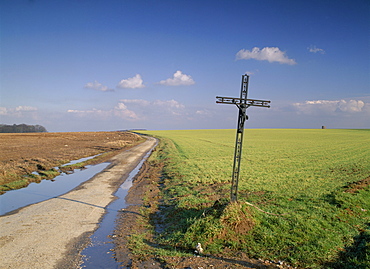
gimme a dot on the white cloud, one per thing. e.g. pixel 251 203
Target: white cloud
pixel 135 110
pixel 320 107
pixel 252 73
pixel 25 108
pixel 122 111
pixel 169 107
pixel 140 102
pixel 203 112
pixel 351 105
pixel 17 111
pixel 271 54
pixel 314 49
pixel 3 111
pixel 97 86
pixel 131 83
pixel 94 111
pixel 159 103
pixel 154 109
pixel 178 79
pixel 170 103
pixel 20 112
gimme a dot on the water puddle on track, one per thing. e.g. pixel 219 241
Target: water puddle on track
pixel 47 189
pixel 99 253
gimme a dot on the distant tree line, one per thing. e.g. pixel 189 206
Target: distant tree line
pixel 22 128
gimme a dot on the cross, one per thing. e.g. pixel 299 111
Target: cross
pixel 242 103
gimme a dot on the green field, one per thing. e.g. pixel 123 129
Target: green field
pixel 304 195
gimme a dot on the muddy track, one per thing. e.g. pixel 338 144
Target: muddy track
pixel 51 234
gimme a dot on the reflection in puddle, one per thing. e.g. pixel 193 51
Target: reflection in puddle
pixel 46 189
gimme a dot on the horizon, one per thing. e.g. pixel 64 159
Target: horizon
pixel 89 66
pixel 199 129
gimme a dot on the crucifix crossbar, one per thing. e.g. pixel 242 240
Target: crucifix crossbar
pixel 239 101
pixel 242 103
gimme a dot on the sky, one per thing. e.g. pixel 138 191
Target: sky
pixel 159 65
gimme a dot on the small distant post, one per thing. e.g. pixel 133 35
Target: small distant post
pixel 242 103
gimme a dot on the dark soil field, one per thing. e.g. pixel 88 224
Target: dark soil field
pixel 24 153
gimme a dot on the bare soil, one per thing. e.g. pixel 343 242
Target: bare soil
pixel 358 185
pixel 22 154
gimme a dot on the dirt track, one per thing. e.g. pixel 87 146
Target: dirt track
pixel 51 233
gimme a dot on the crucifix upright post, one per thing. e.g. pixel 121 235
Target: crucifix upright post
pixel 242 103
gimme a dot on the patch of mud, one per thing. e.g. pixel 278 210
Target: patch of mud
pixel 354 187
pixel 71 257
pixel 128 223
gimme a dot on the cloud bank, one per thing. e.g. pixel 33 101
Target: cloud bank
pixel 131 83
pixel 155 109
pixel 327 107
pixel 120 111
pixel 25 108
pixel 136 110
pixel 178 79
pixel 17 111
pixel 25 112
pixel 270 54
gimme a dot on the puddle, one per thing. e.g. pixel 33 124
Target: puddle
pixel 99 253
pixel 47 189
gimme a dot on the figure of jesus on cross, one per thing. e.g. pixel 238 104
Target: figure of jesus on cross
pixel 242 103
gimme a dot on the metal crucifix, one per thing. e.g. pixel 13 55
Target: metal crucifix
pixel 242 103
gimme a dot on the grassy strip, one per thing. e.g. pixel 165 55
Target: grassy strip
pixel 302 180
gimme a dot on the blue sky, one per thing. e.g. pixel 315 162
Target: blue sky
pixel 112 65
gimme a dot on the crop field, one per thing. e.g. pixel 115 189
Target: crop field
pixel 304 195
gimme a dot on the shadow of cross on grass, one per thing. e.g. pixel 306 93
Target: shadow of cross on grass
pixel 355 256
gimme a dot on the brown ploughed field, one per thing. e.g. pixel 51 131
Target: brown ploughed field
pixel 24 153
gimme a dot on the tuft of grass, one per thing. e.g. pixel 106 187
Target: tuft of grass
pixel 49 174
pixel 14 185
